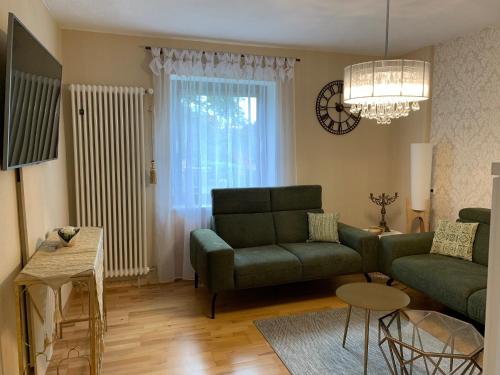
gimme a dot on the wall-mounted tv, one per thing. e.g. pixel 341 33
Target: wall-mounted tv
pixel 32 100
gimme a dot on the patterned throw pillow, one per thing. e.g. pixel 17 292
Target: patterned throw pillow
pixel 454 239
pixel 323 227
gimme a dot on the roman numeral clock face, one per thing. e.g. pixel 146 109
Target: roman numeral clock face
pixel 333 115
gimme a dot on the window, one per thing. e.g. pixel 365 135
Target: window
pixel 223 135
pixel 221 120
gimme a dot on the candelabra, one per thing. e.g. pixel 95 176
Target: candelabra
pixel 382 201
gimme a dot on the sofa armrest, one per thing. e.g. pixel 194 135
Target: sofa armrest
pixel 401 245
pixel 364 242
pixel 213 260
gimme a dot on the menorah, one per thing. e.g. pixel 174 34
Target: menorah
pixel 382 201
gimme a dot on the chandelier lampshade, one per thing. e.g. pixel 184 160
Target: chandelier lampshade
pixel 386 89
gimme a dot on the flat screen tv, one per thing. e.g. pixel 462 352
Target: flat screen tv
pixel 32 100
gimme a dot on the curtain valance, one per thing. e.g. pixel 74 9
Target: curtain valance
pixel 221 64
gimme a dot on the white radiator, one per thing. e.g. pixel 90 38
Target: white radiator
pixel 110 176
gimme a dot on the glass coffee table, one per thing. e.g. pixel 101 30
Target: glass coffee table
pixel 370 297
pixel 427 342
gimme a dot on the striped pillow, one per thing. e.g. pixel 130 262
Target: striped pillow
pixel 323 227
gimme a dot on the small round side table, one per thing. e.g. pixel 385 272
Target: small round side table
pixel 370 296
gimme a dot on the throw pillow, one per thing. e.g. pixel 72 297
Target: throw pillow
pixel 454 239
pixel 323 227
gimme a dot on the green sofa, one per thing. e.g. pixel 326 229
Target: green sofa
pixel 259 238
pixel 456 283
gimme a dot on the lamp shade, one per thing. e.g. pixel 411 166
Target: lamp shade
pixel 420 171
pixel 386 89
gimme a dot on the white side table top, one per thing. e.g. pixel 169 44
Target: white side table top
pixel 391 233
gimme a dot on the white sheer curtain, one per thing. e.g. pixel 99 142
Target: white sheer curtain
pixel 221 120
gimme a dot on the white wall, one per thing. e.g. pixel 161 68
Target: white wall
pixel 492 328
pixel 45 189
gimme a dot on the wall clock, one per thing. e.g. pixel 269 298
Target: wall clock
pixel 333 115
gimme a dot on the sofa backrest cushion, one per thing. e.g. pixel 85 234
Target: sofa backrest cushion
pixel 301 197
pixel 241 200
pixel 245 230
pixel 482 241
pixel 292 226
pixel 248 217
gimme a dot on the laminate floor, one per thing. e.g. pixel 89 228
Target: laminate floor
pixel 165 328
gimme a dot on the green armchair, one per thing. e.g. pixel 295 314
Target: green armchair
pixel 259 238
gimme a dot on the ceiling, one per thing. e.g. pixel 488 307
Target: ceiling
pixel 353 26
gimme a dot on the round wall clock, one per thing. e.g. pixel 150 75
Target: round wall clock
pixel 333 115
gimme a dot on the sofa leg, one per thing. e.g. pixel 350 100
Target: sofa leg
pixel 368 277
pixel 390 281
pixel 196 279
pixel 214 296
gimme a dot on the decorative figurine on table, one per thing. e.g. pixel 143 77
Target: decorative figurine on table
pixel 68 235
pixel 382 201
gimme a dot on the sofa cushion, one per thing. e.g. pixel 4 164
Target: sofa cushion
pixel 476 306
pixel 481 246
pixel 454 239
pixel 240 200
pixel 475 215
pixel 448 280
pixel 325 259
pixel 300 197
pixel 482 216
pixel 265 265
pixel 292 226
pixel 323 227
pixel 245 230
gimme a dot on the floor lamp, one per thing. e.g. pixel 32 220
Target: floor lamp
pixel 418 207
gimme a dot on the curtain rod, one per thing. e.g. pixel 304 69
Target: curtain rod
pixel 149 48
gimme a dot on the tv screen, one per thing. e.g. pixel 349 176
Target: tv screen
pixel 32 99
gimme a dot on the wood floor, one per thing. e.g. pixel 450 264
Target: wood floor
pixel 165 329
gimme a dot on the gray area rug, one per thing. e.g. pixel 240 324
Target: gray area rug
pixel 311 343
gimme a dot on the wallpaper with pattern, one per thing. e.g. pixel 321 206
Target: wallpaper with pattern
pixel 465 121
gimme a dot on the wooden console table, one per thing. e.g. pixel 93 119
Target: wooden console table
pixel 54 266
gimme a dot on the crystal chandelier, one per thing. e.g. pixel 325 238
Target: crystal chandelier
pixel 386 89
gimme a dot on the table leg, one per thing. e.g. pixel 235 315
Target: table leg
pixel 20 329
pixel 60 307
pixel 367 337
pixel 92 327
pixel 400 337
pixel 348 318
pixel 398 322
pixel 104 305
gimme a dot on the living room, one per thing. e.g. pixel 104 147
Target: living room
pixel 243 198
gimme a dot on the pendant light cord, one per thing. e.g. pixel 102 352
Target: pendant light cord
pixel 387 29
